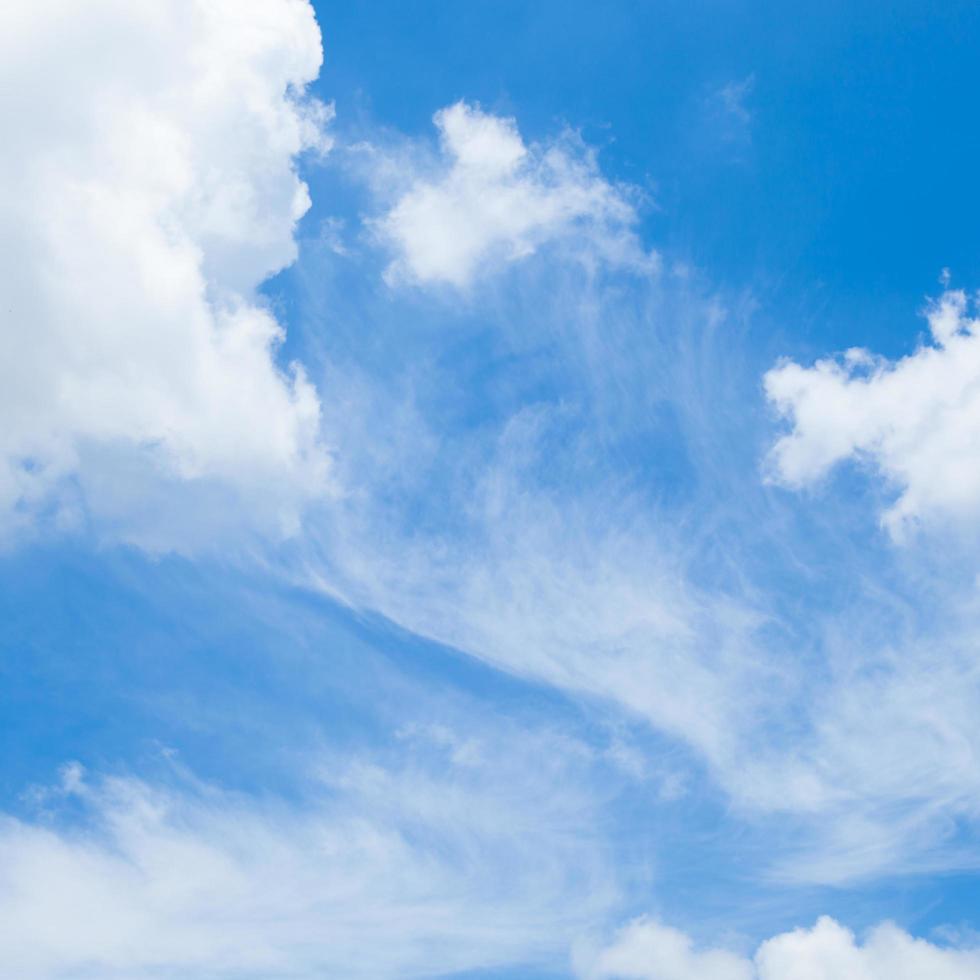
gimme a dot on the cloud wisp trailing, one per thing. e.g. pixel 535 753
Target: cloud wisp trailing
pixel 468 852
pixel 536 541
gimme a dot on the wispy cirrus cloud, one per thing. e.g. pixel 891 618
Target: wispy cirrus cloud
pixel 459 851
pixel 539 538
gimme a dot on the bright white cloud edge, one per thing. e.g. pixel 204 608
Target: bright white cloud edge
pixel 492 199
pixel 142 204
pixel 916 421
pixel 649 950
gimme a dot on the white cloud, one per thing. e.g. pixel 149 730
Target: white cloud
pixel 648 950
pixel 146 190
pixel 493 199
pixel 466 853
pixel 829 951
pixel 534 537
pixel 585 592
pixel 916 420
pixel 527 543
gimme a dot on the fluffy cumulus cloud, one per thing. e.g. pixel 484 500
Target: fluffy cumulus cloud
pixel 147 189
pixel 648 950
pixel 916 420
pixel 493 199
pixel 462 855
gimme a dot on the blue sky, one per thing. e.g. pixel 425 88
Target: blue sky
pixel 489 490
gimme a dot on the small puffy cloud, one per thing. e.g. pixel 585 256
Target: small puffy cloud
pixel 495 199
pixel 648 950
pixel 916 420
pixel 148 189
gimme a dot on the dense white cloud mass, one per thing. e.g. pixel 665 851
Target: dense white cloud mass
pixel 480 856
pixel 146 189
pixel 494 199
pixel 917 420
pixel 648 950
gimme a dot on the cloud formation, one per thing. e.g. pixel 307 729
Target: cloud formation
pixel 537 541
pixel 148 188
pixel 461 854
pixel 915 420
pixel 492 199
pixel 649 950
